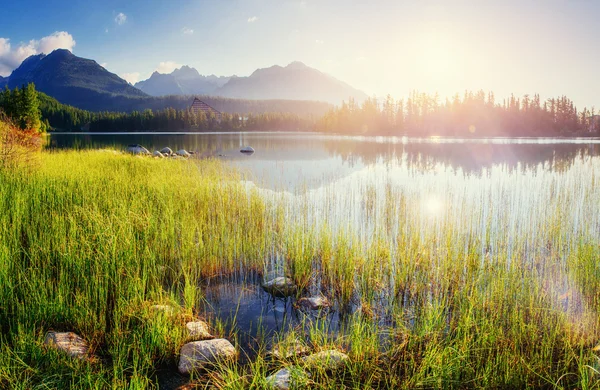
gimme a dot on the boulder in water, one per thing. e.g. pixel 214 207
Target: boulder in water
pixel 280 287
pixel 247 149
pixel 199 355
pixel 137 149
pixel 288 378
pixel 313 303
pixel 166 151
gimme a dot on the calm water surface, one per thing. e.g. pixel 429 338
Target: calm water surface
pixel 297 161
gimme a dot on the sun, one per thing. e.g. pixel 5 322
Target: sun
pixel 438 58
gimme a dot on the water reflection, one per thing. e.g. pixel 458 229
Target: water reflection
pixel 294 162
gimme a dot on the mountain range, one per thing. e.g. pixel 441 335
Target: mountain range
pixel 293 82
pixel 183 81
pixel 84 84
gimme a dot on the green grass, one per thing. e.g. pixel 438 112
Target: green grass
pixel 90 240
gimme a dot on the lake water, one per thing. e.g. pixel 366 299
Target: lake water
pixel 499 193
pixel 297 161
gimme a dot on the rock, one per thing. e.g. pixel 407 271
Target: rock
pixel 313 303
pixel 183 153
pixel 286 378
pixel 198 355
pixel 280 287
pixel 247 149
pixel 68 342
pixel 287 350
pixel 166 151
pixel 198 330
pixel 158 154
pixel 165 309
pixel 330 360
pixel 137 149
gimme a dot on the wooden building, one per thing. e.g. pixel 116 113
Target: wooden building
pixel 199 105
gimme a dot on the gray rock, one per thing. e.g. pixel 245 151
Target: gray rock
pixel 247 149
pixel 137 149
pixel 280 287
pixel 330 360
pixel 68 342
pixel 158 154
pixel 199 355
pixel 198 330
pixel 287 350
pixel 288 378
pixel 164 309
pixel 166 151
pixel 313 303
pixel 183 153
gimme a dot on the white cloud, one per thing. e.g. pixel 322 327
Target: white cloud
pixel 120 19
pixel 11 58
pixel 131 78
pixel 252 19
pixel 319 42
pixel 106 30
pixel 187 31
pixel 167 67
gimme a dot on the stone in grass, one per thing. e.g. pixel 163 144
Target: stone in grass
pixel 199 355
pixel 288 378
pixel 198 330
pixel 68 342
pixel 280 287
pixel 158 154
pixel 137 149
pixel 313 303
pixel 288 350
pixel 183 153
pixel 165 309
pixel 166 151
pixel 330 360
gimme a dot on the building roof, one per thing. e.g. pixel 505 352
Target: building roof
pixel 199 105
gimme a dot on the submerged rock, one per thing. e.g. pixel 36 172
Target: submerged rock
pixel 137 149
pixel 166 151
pixel 199 355
pixel 247 149
pixel 158 154
pixel 288 378
pixel 280 287
pixel 68 342
pixel 183 153
pixel 198 330
pixel 330 360
pixel 313 303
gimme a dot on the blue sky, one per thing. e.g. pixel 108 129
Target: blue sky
pixel 382 46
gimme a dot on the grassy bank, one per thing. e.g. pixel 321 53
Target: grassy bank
pixel 91 240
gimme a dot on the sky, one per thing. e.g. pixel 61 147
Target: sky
pixel 550 47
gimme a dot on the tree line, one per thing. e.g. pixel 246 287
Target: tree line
pixel 21 107
pixel 473 114
pixel 68 118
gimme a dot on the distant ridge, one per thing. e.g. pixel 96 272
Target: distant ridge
pixel 183 81
pixel 293 82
